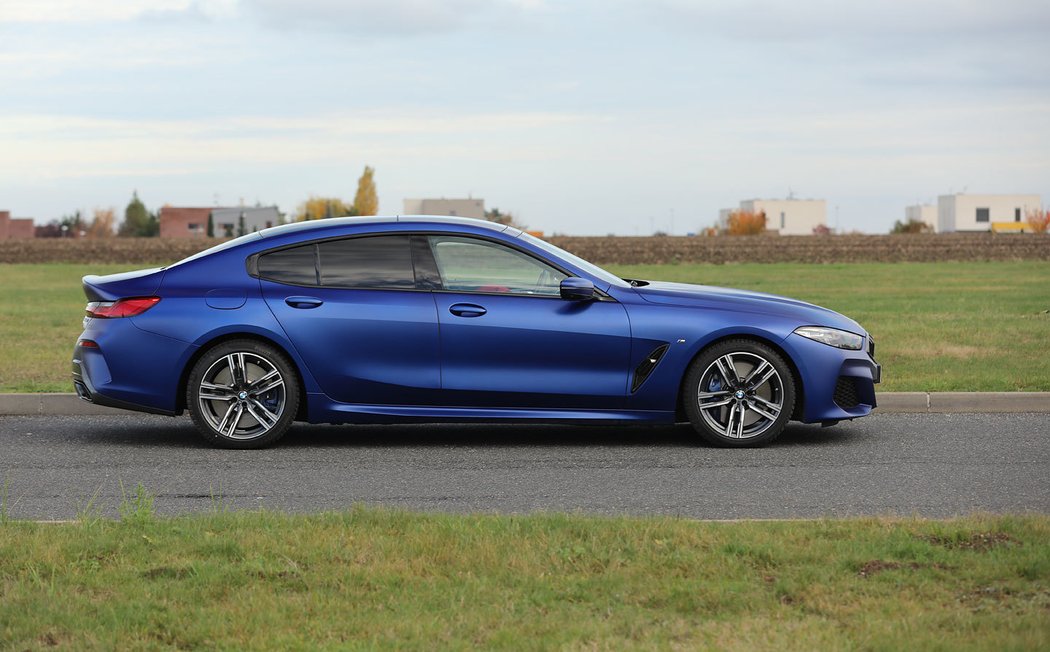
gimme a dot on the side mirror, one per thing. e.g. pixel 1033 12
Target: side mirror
pixel 577 289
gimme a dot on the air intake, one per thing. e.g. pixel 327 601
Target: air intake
pixel 646 367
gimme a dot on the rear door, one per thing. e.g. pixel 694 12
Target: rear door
pixel 355 313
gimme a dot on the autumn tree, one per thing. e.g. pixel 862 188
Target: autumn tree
pixel 366 202
pixel 746 223
pixel 499 217
pixel 1038 221
pixel 138 222
pixel 102 222
pixel 318 208
pixel 911 226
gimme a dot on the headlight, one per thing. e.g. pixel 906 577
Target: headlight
pixel 832 337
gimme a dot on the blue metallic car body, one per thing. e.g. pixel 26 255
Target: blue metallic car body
pixel 382 355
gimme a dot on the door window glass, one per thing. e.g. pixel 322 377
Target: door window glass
pixel 473 265
pixel 373 262
pixel 296 266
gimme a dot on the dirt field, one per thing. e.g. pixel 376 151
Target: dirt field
pixel 608 250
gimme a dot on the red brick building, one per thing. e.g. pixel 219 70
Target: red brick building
pixel 12 228
pixel 178 222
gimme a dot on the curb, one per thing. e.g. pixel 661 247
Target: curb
pixel 889 402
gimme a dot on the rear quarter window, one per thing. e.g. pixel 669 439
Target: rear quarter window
pixel 295 266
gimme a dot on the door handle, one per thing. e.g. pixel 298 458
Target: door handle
pixel 466 310
pixel 303 302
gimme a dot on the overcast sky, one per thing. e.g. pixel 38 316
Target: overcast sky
pixel 587 117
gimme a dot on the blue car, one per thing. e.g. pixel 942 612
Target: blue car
pixel 365 320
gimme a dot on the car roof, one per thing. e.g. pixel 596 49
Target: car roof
pixel 334 222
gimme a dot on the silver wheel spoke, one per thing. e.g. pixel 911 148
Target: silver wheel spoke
pixel 214 392
pixel 770 405
pixel 266 383
pixel 759 368
pixel 757 410
pixel 236 363
pixel 769 374
pixel 231 419
pixel 722 363
pixel 708 406
pixel 729 423
pixel 261 413
pixel 703 395
pixel 740 422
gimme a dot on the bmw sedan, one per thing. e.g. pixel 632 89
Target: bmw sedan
pixel 364 320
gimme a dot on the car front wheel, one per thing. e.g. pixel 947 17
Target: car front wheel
pixel 242 394
pixel 739 393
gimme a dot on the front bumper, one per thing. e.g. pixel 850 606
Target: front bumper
pixel 837 383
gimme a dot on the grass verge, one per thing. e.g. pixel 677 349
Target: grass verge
pixel 377 578
pixel 968 327
pixel 980 326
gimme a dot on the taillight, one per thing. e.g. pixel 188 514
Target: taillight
pixel 120 308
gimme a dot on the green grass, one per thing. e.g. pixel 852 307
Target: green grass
pixel 939 326
pixel 981 326
pixel 373 578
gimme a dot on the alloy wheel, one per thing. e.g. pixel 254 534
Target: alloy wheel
pixel 740 395
pixel 242 395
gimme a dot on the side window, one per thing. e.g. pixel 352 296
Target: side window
pixel 377 262
pixel 473 265
pixel 296 266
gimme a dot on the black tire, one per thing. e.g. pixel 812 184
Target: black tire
pixel 715 406
pixel 242 394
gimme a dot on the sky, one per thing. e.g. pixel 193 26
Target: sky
pixel 587 117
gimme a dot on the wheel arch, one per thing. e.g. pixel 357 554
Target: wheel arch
pixel 204 347
pixel 800 390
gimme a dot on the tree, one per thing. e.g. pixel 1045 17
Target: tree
pixel 102 222
pixel 1038 221
pixel 138 222
pixel 240 225
pixel 211 225
pixel 746 223
pixel 495 215
pixel 366 202
pixel 911 226
pixel 317 208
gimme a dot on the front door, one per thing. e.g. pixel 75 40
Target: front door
pixel 509 340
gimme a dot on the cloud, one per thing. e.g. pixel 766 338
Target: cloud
pixel 77 11
pixel 367 17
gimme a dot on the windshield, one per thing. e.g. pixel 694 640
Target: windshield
pixel 590 268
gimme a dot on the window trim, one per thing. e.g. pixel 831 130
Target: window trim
pixel 252 264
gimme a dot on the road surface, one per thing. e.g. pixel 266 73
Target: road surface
pixel 890 464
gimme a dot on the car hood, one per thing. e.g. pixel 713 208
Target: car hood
pixel 717 298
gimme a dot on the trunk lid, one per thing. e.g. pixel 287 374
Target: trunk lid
pixel 139 283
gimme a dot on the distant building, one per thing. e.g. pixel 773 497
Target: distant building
pixel 255 219
pixel 187 222
pixel 15 228
pixel 784 216
pixel 925 213
pixel 961 212
pixel 459 207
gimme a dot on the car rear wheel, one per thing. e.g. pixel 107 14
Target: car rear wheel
pixel 242 394
pixel 739 393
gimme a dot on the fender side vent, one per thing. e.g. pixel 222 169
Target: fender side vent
pixel 646 367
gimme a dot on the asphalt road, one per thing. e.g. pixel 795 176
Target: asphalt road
pixel 925 464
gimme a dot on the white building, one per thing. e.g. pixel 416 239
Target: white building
pixel 459 207
pixel 925 213
pixel 785 216
pixel 977 212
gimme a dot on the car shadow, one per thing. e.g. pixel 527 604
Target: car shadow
pixel 180 433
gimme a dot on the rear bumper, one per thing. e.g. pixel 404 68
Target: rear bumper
pixel 129 369
pixel 86 391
